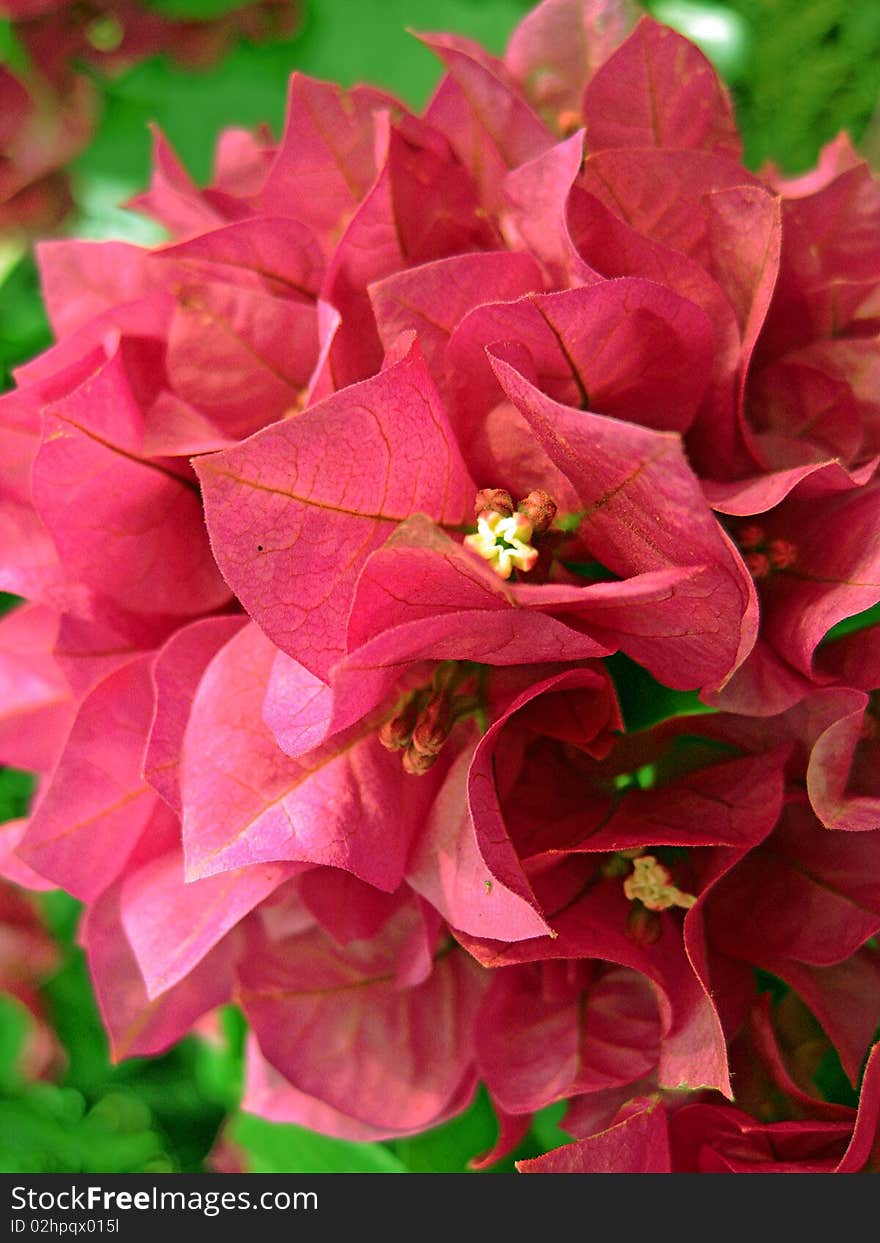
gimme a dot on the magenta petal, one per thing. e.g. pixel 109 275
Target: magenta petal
pixel 277 254
pixel 490 124
pixel 661 193
pixel 328 807
pixel 339 1029
pixel 758 493
pixel 845 998
pixel 171 925
pixel 638 1144
pixel 37 706
pixel 97 794
pixel 269 1095
pixel 326 160
pixel 294 510
pixel 536 196
pixel 434 297
pixel 831 761
pixel 534 1048
pixel 138 1027
pixel 559 45
pixel 15 869
pixel 867 1125
pixel 692 1046
pixel 627 348
pixel 240 355
pixel 177 672
pixel 81 280
pixel 173 197
pixel 837 573
pixel 129 528
pixel 448 868
pixel 512 1130
pixel 658 90
pixel 345 907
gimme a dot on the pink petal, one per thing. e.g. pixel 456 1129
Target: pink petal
pixel 172 925
pixel 328 807
pixel 173 197
pixel 37 706
pixel 81 280
pixel 130 528
pixel 177 672
pixel 828 774
pixel 138 1027
pixel 638 1144
pixel 627 348
pixel 534 1049
pixel 294 510
pixel 659 90
pixel 240 355
pixel 434 297
pixel 536 196
pixel 279 255
pixel 864 1136
pixel 448 868
pixel 326 160
pixel 11 867
pixel 560 44
pixel 487 120
pixel 97 794
pixel 338 1028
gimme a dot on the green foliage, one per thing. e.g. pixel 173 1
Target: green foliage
pixel 196 10
pixel 141 1115
pixel 24 329
pixel 15 791
pixel 50 1129
pixel 278 1148
pixel 643 700
pixel 814 70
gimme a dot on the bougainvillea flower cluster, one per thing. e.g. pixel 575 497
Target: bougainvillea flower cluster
pixel 348 521
pixel 48 100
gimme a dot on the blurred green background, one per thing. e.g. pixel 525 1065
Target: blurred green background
pixel 800 70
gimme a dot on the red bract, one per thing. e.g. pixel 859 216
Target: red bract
pixel 355 523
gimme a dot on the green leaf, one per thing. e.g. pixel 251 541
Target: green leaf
pixel 15 791
pixel 276 1148
pixel 832 1082
pixel 15 1027
pixel 219 1066
pixel 24 328
pixel 49 1129
pixel 643 700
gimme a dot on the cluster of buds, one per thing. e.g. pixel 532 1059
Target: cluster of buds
pixel 763 556
pixel 504 533
pixel 423 719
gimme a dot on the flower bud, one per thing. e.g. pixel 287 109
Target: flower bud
pixel 416 762
pixel 434 724
pixel 498 500
pixel 396 732
pixel 540 509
